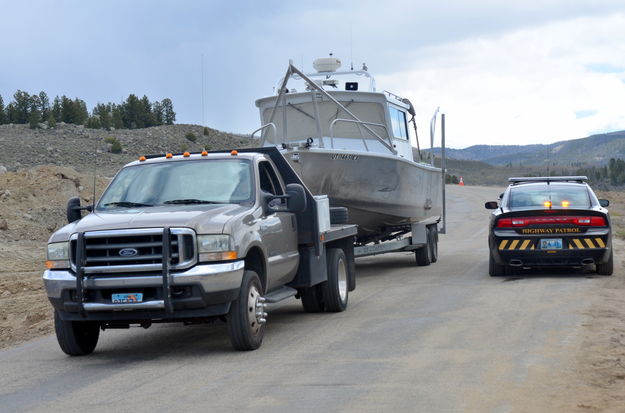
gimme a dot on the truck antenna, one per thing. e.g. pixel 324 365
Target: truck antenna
pixel 95 163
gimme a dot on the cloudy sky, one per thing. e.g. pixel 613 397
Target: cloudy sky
pixel 503 72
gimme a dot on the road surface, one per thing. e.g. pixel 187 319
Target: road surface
pixel 442 338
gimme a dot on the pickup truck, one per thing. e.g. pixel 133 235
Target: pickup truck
pixel 196 237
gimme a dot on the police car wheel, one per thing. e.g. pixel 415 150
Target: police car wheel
pixel 608 267
pixel 494 269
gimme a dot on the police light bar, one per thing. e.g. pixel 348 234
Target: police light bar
pixel 517 180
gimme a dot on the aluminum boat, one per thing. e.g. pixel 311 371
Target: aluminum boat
pixel 349 141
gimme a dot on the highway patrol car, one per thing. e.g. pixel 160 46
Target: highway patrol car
pixel 554 221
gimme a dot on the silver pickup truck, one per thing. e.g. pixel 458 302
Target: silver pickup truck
pixel 193 238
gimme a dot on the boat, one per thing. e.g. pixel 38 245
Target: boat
pixel 349 141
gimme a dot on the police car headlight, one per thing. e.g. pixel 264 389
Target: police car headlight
pixel 216 247
pixel 57 256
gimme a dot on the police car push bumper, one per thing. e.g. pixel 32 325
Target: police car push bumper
pixel 210 278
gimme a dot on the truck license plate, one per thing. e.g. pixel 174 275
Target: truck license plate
pixel 126 298
pixel 551 244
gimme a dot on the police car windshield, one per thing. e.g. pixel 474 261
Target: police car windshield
pixel 553 195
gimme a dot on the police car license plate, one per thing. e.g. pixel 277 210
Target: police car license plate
pixel 551 244
pixel 126 298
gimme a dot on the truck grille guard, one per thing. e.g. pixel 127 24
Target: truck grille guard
pixel 180 240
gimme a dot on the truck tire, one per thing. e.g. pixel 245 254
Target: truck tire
pixel 335 289
pixel 246 327
pixel 76 338
pixel 433 242
pixel 606 268
pixel 338 215
pixel 494 269
pixel 312 299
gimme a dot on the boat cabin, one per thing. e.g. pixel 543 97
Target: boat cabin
pixel 335 110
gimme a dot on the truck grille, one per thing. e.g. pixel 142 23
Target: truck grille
pixel 137 250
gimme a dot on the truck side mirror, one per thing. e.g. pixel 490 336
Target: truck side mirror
pixel 296 198
pixel 74 209
pixel 604 203
pixel 491 205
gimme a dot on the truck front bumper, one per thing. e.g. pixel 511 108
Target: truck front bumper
pixel 201 291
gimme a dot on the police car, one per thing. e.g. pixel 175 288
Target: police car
pixel 554 221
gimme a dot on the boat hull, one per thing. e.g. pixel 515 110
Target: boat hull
pixel 379 191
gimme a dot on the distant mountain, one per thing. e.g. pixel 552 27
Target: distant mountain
pixel 592 150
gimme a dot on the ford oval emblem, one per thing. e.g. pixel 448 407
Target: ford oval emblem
pixel 128 252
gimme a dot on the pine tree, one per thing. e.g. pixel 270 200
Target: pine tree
pixel 169 116
pixel 22 103
pixel 157 112
pixel 44 103
pixel 117 118
pixel 56 109
pixel 3 114
pixel 51 120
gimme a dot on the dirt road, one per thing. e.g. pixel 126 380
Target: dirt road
pixel 443 338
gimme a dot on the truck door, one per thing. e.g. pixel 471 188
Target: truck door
pixel 278 232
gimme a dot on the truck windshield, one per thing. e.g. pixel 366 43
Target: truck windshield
pixel 181 182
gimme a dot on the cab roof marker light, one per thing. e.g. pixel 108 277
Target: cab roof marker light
pixel 186 154
pixel 168 155
pixel 204 153
pixel 565 204
pixel 234 152
pixel 547 204
pixel 142 158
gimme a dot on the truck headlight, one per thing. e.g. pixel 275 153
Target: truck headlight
pixel 216 247
pixel 57 256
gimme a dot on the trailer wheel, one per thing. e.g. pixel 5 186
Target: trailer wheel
pixel 338 215
pixel 433 242
pixel 312 299
pixel 76 338
pixel 246 319
pixel 608 267
pixel 335 290
pixel 424 254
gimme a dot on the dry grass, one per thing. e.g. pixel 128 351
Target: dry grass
pixel 617 210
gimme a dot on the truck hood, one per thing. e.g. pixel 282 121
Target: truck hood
pixel 204 219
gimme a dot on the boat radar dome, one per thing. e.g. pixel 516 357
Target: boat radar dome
pixel 326 64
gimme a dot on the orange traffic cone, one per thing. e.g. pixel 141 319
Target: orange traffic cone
pixel 461 182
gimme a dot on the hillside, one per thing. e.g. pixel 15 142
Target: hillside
pixel 81 148
pixel 592 150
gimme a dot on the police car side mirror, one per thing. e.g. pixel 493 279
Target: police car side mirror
pixel 604 202
pixel 491 205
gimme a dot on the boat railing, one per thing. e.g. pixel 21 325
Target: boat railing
pixel 358 122
pixel 267 125
pixel 281 100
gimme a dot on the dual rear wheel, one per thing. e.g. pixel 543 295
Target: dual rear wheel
pixel 330 295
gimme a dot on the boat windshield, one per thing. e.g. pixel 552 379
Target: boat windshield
pixel 181 183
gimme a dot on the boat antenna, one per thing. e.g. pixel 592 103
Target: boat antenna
pixel 351 48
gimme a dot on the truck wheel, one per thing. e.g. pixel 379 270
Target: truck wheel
pixel 494 269
pixel 424 254
pixel 338 215
pixel 335 291
pixel 76 338
pixel 608 267
pixel 433 242
pixel 246 319
pixel 312 299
